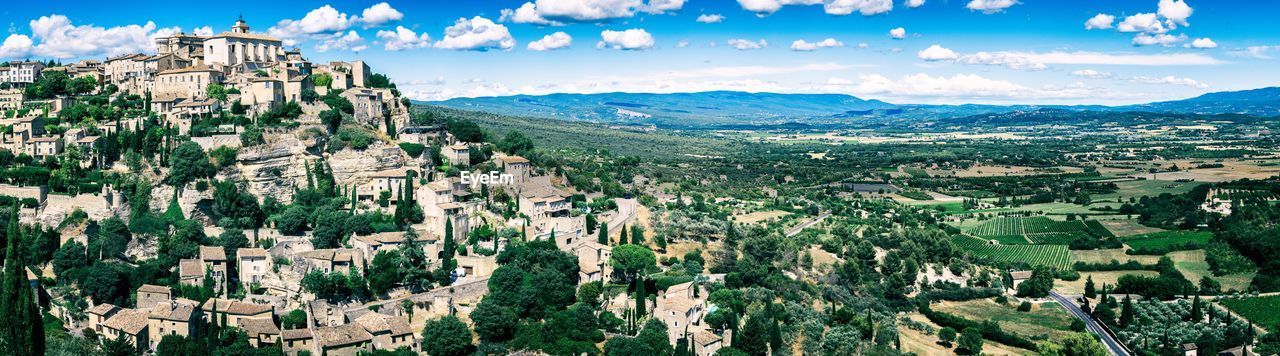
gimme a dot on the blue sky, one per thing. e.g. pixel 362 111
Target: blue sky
pixel 956 51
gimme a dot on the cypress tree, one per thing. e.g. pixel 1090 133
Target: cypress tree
pixel 1126 314
pixel 622 237
pixel 603 237
pixel 23 328
pixel 448 249
pixel 640 296
pixel 1195 309
pixel 637 236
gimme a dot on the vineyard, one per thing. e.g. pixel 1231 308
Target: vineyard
pixel 1167 239
pixel 1039 230
pixel 1263 311
pixel 1053 256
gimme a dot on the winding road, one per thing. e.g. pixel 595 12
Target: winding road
pixel 1111 343
pixel 805 225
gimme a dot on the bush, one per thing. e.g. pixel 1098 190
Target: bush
pixel 413 149
pixel 1024 307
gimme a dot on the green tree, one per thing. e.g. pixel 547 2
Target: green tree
pixel 295 319
pixel 494 322
pixel 1089 289
pixel 632 259
pixel 384 272
pixel 22 332
pixel 1074 344
pixel 970 341
pixel 947 335
pixel 654 334
pixel 446 336
pixel 602 236
pixel 189 163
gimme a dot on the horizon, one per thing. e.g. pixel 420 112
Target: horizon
pixel 985 52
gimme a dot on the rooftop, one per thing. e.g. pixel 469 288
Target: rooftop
pixel 342 335
pixel 129 321
pixel 212 253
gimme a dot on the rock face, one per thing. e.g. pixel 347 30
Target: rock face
pixel 274 168
pixel 351 166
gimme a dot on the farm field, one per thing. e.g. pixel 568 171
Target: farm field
pixel 1263 311
pixel 917 342
pixel 759 216
pixel 1140 188
pixel 1076 287
pixel 1039 230
pixel 1164 239
pixel 1053 256
pixel 1128 227
pixel 1193 266
pixel 1105 256
pixel 1043 319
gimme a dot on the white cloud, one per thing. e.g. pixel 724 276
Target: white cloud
pixel 914 3
pixel 1162 39
pixel 710 18
pixel 436 81
pixel 55 36
pixel 1168 80
pixel 322 20
pixel 203 31
pixel 476 34
pixel 743 45
pixel 1144 22
pixel 990 6
pixel 898 33
pixel 553 41
pixel 748 71
pixel 831 7
pixel 1007 59
pixel 633 39
pixel 864 7
pixel 16 46
pixel 1100 22
pixel 1090 73
pixel 1094 58
pixel 1259 52
pixel 551 12
pixel 379 14
pixel 342 42
pixel 1175 12
pixel 1203 43
pixel 682 44
pixel 526 13
pixel 963 86
pixel 403 39
pixel 937 53
pixel 805 46
pixel 863 45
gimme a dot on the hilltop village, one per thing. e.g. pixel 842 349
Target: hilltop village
pixel 225 188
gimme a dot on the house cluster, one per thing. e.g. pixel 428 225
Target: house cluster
pixel 159 313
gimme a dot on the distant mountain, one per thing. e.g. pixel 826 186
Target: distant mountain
pixel 1259 102
pixel 704 109
pixel 733 110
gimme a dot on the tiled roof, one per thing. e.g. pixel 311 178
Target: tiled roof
pixel 342 335
pixel 102 309
pixel 378 323
pixel 148 288
pixel 212 253
pixel 190 268
pixel 235 307
pixel 255 327
pixel 129 321
pixel 251 252
pixel 295 334
pixel 175 311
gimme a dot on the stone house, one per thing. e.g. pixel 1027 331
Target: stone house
pixel 235 311
pixel 152 295
pixel 388 332
pixel 129 325
pixel 253 264
pixel 342 340
pixel 170 318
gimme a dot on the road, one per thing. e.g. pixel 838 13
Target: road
pixel 1111 343
pixel 805 225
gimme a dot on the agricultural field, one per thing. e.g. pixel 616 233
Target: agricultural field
pixel 1076 287
pixel 1166 239
pixel 1039 230
pixel 1140 188
pixel 1048 319
pixel 1262 311
pixel 1127 227
pixel 1106 255
pixel 1193 266
pixel 1053 256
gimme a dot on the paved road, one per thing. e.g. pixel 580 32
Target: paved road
pixel 796 230
pixel 1111 343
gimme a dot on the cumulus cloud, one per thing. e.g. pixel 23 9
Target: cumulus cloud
pixel 1162 39
pixel 1259 52
pixel 682 44
pixel 748 71
pixel 914 3
pixel 743 45
pixel 898 33
pixel 553 41
pixel 990 6
pixel 552 12
pixel 342 42
pixel 831 7
pixel 1036 59
pixel 476 34
pixel 710 18
pixel 16 46
pixel 55 36
pixel 203 31
pixel 1090 73
pixel 805 46
pixel 937 53
pixel 322 20
pixel 1100 22
pixel 403 39
pixel 636 39
pixel 1175 12
pixel 379 14
pixel 1169 80
pixel 1006 59
pixel 1144 22
pixel 1203 43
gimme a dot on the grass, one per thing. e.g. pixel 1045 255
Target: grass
pixel 1140 188
pixel 1128 227
pixel 1105 256
pixel 1193 266
pixel 917 342
pixel 1044 318
pixel 1076 287
pixel 1263 311
pixel 1164 239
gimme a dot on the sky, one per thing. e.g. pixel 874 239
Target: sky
pixel 1108 52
